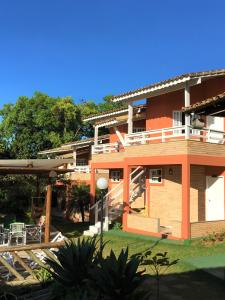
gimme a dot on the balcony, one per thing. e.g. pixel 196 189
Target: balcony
pixel 166 141
pixel 106 148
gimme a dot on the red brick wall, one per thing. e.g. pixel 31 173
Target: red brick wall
pixel 200 229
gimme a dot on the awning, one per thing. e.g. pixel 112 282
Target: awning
pixel 34 166
pixel 214 106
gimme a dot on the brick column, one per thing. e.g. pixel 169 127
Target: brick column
pixel 185 200
pixel 126 194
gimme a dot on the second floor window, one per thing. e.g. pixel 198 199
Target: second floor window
pixel 178 120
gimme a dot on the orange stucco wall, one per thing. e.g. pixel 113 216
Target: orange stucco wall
pixel 160 108
pixel 123 130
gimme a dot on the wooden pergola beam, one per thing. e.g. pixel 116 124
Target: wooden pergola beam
pixel 48 212
pixel 10 170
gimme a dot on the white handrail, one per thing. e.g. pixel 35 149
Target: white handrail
pixel 85 169
pixel 163 134
pixel 105 148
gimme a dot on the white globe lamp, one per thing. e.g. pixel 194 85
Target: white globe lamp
pixel 102 183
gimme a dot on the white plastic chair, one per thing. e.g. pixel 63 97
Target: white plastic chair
pixel 17 231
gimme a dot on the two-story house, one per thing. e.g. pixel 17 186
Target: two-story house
pixel 166 166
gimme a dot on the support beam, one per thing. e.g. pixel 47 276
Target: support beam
pixel 130 118
pixel 74 157
pixel 96 136
pixel 119 135
pixel 48 212
pixel 185 229
pixel 126 194
pixel 187 116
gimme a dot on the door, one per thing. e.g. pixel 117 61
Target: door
pixel 177 121
pixel 214 208
pixel 216 123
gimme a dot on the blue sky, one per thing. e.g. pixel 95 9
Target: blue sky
pixel 90 48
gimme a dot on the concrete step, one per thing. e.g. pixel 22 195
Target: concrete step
pixel 94 229
pixel 88 233
pixel 98 225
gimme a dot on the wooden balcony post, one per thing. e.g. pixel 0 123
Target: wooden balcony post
pixel 74 157
pixel 187 116
pixel 48 212
pixel 185 200
pixel 96 136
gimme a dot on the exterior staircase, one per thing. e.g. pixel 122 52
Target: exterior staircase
pixel 112 206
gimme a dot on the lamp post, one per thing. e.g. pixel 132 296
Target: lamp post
pixel 102 184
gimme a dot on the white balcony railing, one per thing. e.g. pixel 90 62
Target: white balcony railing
pixel 164 135
pixel 82 169
pixel 105 148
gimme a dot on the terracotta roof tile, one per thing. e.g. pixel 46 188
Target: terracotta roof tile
pixel 179 77
pixel 204 103
pixel 119 110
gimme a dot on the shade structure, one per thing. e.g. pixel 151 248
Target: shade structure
pixel 40 167
pixel 34 166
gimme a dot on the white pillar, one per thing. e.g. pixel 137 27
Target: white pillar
pixel 119 135
pixel 130 118
pixel 96 136
pixel 187 103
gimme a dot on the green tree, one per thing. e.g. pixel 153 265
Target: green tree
pixel 38 123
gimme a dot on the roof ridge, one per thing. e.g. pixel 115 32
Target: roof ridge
pixel 178 77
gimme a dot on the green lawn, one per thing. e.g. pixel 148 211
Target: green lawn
pixel 118 240
pixel 182 281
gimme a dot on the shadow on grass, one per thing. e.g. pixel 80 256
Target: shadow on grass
pixel 182 286
pixel 188 285
pixel 68 228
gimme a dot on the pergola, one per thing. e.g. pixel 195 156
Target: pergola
pixel 42 168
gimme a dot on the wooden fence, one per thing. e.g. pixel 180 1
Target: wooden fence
pixel 19 263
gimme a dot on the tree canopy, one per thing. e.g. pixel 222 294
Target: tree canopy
pixel 42 122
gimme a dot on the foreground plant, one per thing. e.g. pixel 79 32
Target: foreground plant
pixel 73 263
pixel 119 278
pixel 159 264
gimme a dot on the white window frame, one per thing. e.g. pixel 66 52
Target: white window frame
pixel 177 121
pixel 115 175
pixel 151 175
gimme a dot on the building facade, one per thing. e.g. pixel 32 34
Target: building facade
pixel 166 166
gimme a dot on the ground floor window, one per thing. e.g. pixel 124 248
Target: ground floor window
pixel 155 176
pixel 115 175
